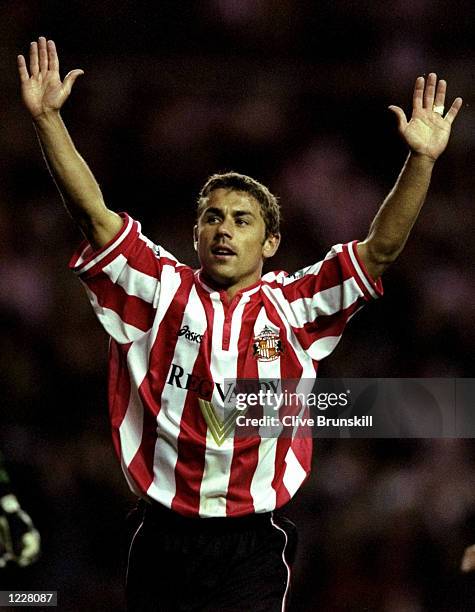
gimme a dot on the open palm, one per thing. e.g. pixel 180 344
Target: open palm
pixel 41 88
pixel 427 132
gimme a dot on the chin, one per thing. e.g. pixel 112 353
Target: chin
pixel 224 280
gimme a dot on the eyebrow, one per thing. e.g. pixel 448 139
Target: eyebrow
pixel 236 213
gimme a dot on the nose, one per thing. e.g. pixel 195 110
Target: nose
pixel 224 229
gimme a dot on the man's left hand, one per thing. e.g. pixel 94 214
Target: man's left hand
pixel 428 130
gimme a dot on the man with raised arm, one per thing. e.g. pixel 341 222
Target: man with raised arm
pixel 208 538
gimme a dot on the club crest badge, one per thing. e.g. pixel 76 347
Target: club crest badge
pixel 267 345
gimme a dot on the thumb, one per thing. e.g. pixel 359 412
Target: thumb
pixel 70 78
pixel 401 117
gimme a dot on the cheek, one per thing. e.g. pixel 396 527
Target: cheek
pixel 202 240
pixel 253 250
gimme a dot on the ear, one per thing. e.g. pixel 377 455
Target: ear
pixel 270 246
pixel 195 237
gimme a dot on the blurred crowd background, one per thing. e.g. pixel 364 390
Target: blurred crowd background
pixel 294 93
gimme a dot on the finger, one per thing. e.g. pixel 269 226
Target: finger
pixel 418 93
pixel 468 561
pixel 22 69
pixel 34 67
pixel 401 117
pixel 70 78
pixel 43 54
pixel 52 56
pixel 439 100
pixel 429 92
pixel 450 116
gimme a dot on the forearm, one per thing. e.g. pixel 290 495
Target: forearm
pixel 75 181
pixel 392 225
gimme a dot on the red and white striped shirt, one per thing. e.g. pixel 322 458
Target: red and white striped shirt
pixel 174 341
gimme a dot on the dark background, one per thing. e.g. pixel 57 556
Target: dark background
pixel 295 94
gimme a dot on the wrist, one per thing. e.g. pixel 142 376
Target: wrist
pixel 46 118
pixel 422 158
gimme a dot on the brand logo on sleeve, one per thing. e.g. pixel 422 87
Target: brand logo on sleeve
pixel 267 345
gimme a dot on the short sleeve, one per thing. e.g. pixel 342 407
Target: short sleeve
pixel 322 298
pixel 123 280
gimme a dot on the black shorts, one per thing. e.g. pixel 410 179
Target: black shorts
pixel 185 564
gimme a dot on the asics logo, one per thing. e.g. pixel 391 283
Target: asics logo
pixel 190 335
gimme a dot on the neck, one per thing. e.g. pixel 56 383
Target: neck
pixel 231 288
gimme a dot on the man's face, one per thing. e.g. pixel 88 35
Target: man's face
pixel 230 240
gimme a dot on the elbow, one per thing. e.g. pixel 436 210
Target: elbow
pixel 376 258
pixel 382 252
pixel 101 228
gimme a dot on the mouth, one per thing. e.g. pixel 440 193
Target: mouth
pixel 222 252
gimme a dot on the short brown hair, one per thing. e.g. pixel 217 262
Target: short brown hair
pixel 270 208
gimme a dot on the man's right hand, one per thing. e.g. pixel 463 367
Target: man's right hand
pixel 42 90
pixel 43 95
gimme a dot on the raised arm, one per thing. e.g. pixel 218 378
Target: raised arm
pixel 426 134
pixel 43 95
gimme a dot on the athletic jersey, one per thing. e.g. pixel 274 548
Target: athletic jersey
pixel 175 342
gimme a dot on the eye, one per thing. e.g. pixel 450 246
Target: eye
pixel 212 219
pixel 241 222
